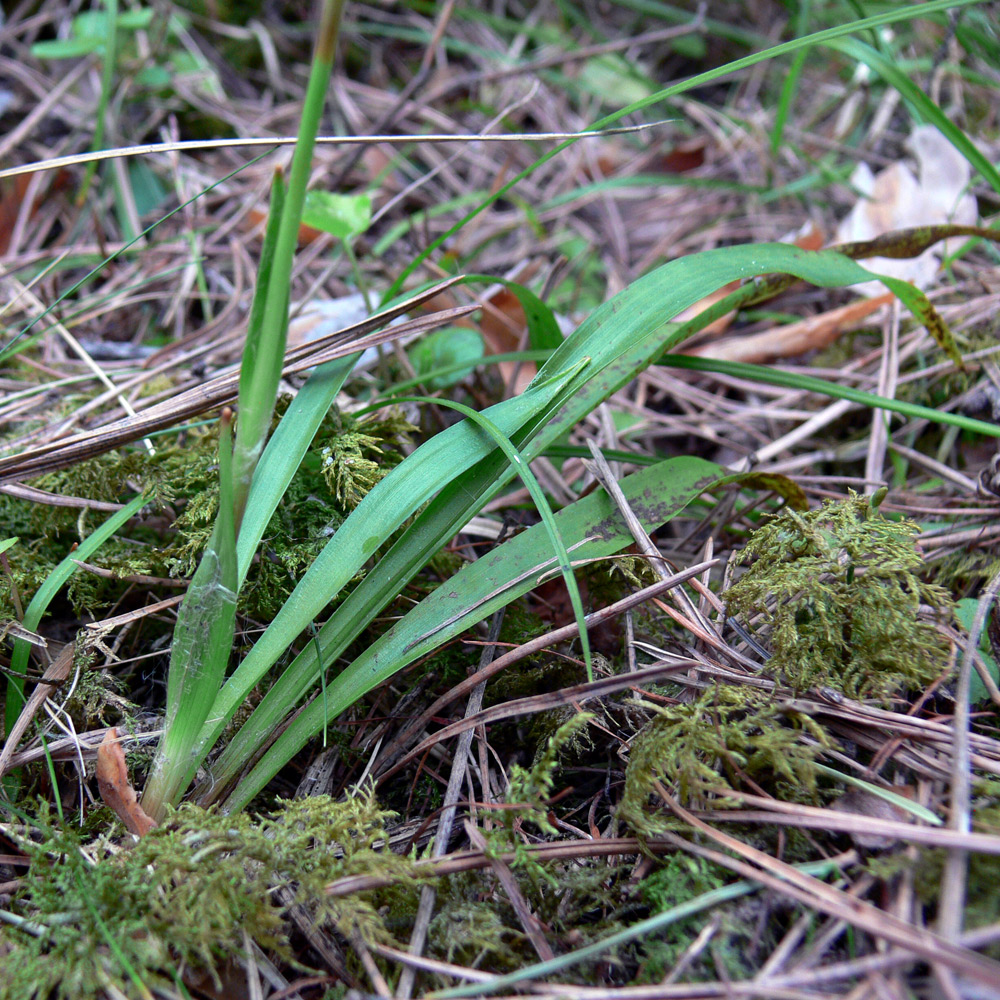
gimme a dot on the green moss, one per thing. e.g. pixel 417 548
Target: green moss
pixel 347 458
pixel 361 452
pixel 839 588
pixel 728 738
pixel 187 894
pixel 738 932
pixel 529 789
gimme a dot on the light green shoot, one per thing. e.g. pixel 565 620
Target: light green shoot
pixel 206 624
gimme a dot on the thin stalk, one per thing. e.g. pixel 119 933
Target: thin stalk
pixel 262 361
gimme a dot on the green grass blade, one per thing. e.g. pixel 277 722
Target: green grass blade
pixel 791 83
pixel 108 59
pixel 523 469
pixel 924 107
pixel 648 928
pixel 259 391
pixel 590 528
pixel 255 322
pixel 285 451
pixel 543 328
pixel 809 383
pixel 44 596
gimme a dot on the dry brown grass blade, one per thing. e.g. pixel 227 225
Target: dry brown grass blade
pixel 578 693
pixel 811 818
pixel 56 672
pixel 530 923
pixel 811 892
pixel 35 495
pixel 214 393
pixel 473 860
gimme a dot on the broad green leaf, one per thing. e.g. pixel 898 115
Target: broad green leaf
pixel 89 31
pixel 613 80
pixel 67 48
pixel 543 329
pixel 340 215
pixel 591 529
pixel 147 188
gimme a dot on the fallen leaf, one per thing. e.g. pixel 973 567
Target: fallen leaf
pixel 113 784
pixel 810 334
pixel 895 199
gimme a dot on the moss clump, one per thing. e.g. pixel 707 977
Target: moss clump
pixel 839 587
pixel 361 452
pixel 702 749
pixel 186 895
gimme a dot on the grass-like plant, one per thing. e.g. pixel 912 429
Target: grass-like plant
pixel 819 584
pixel 437 489
pixel 203 637
pixel 447 480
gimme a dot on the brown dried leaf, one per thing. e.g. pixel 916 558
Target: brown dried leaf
pixel 113 784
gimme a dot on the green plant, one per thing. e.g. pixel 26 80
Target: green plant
pixel 450 477
pixel 422 502
pixel 728 736
pixel 205 626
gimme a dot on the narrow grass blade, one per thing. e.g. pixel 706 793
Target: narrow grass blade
pixel 647 928
pixel 38 605
pixel 258 390
pixel 285 451
pixel 809 383
pixel 827 35
pixel 255 322
pixel 915 809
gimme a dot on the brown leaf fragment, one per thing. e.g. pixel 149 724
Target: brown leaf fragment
pixel 810 334
pixel 113 784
